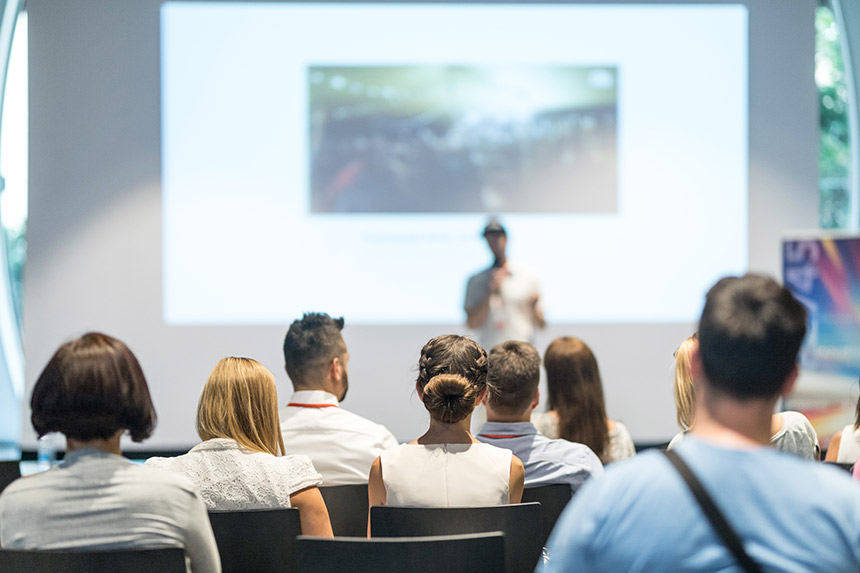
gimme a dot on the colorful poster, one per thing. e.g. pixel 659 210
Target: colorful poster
pixel 824 274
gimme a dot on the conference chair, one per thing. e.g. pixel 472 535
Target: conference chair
pixel 167 560
pixel 552 499
pixel 9 471
pixel 841 465
pixel 467 553
pixel 262 541
pixel 347 509
pixel 521 524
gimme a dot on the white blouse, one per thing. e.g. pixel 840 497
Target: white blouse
pixel 620 442
pixel 232 478
pixel 446 475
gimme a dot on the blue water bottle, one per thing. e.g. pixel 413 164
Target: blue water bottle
pixel 47 453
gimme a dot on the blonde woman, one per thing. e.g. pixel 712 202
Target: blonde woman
pixel 240 463
pixel 791 432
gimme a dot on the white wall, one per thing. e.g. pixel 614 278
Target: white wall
pixel 94 258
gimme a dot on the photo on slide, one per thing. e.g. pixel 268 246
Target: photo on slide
pixel 463 139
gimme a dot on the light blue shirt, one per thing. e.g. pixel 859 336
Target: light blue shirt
pixel 545 461
pixel 792 515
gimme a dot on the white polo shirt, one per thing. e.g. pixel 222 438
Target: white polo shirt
pixel 342 445
pixel 510 316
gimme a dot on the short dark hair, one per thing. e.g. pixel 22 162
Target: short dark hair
pixel 749 336
pixel 513 376
pixel 451 398
pixel 91 388
pixel 310 345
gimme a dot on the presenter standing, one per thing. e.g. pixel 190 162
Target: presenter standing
pixel 502 302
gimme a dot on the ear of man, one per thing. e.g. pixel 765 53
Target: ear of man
pixel 788 385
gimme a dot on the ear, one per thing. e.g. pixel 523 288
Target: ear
pixel 696 368
pixel 419 391
pixel 334 370
pixel 482 397
pixel 788 385
pixel 536 401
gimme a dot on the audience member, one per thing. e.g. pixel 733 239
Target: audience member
pixel 93 390
pixel 447 466
pixel 511 397
pixel 577 410
pixel 239 465
pixel 844 446
pixel 791 432
pixel 341 445
pixel 790 515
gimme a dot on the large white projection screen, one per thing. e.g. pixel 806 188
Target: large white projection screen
pixel 202 173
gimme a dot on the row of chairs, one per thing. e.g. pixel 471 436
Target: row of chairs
pixel 267 540
pixel 347 507
pixel 475 553
pixel 499 538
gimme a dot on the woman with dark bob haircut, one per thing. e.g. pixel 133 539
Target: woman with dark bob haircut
pixel 93 391
pixel 447 466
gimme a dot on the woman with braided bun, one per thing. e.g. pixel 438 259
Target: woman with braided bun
pixel 446 466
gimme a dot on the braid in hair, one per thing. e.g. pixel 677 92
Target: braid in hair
pixel 453 354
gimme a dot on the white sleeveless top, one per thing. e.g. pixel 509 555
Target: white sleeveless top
pixel 446 475
pixel 849 445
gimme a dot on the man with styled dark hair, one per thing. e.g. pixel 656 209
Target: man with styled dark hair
pixel 342 445
pixel 512 395
pixel 782 513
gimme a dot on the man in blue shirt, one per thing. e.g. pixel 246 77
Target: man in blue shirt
pixel 512 395
pixel 790 514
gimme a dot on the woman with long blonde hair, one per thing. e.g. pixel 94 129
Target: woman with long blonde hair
pixel 791 432
pixel 577 409
pixel 240 465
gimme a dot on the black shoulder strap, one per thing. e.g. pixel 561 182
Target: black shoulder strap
pixel 719 523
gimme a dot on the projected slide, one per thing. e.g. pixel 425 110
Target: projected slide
pixel 345 157
pixel 459 139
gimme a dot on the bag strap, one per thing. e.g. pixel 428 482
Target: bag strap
pixel 714 515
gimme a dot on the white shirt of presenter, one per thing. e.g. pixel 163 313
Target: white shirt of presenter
pixel 503 302
pixel 512 308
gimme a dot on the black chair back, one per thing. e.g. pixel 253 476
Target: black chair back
pixel 168 560
pixel 9 472
pixel 552 499
pixel 841 465
pixel 521 524
pixel 468 553
pixel 347 509
pixel 260 541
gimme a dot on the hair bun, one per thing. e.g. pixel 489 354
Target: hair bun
pixel 449 397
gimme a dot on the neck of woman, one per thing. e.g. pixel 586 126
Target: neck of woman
pixel 109 445
pixel 442 433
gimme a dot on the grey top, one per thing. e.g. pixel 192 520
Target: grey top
pixel 797 436
pixel 97 500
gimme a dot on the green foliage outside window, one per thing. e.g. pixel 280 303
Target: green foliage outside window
pixel 834 146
